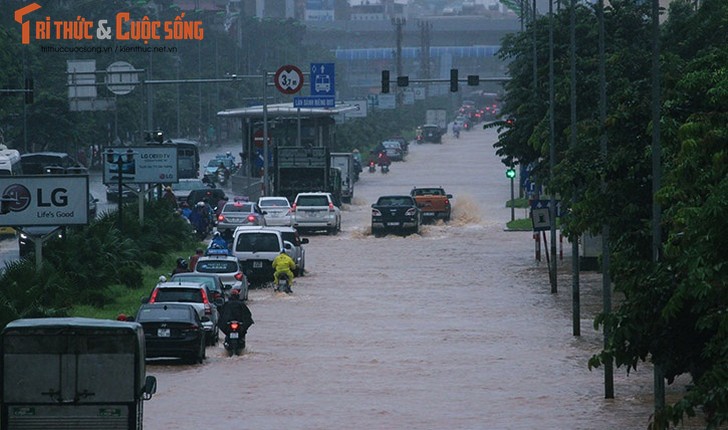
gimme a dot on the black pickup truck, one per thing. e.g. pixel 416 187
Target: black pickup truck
pixel 395 213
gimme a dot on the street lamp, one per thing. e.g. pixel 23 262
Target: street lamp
pixel 120 159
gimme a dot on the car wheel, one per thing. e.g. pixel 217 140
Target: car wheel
pixel 200 354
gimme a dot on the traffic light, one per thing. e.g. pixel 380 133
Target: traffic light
pixel 28 91
pixel 510 173
pixel 453 80
pixel 473 80
pixel 402 81
pixel 385 81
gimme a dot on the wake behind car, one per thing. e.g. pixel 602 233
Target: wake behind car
pixel 395 213
pixel 172 330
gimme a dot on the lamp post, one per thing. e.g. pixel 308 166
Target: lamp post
pixel 119 159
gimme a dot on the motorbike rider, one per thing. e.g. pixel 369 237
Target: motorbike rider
pixel 456 129
pixel 194 257
pixel 221 169
pixel 182 267
pixel 218 241
pixel 169 197
pixel 283 264
pixel 235 310
pixel 200 218
pixel 383 159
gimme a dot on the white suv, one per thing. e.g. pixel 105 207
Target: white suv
pixel 316 211
pixel 256 247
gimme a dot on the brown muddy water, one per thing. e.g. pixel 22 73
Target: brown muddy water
pixel 454 328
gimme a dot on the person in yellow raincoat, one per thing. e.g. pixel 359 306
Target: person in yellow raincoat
pixel 283 264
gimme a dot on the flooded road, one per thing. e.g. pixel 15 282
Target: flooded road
pixel 454 328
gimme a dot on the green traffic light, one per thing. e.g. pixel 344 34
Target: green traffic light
pixel 511 173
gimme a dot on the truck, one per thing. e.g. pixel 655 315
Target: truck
pixel 303 169
pixel 395 212
pixel 75 373
pixel 437 117
pixel 434 202
pixel 344 161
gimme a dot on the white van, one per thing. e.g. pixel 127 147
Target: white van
pixel 256 247
pixel 10 162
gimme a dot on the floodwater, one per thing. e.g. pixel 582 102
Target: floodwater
pixel 455 328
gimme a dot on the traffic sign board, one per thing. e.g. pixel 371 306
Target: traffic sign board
pixel 121 78
pixel 288 79
pixel 311 102
pixel 541 219
pixel 322 79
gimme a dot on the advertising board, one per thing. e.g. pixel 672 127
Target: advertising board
pixel 141 165
pixel 47 200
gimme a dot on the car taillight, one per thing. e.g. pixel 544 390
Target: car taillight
pixel 190 328
pixel 234 326
pixel 154 296
pixel 331 207
pixel 204 297
pixel 293 208
pixel 220 218
pixel 375 212
pixel 447 202
pixel 411 212
pixel 251 218
pixel 239 276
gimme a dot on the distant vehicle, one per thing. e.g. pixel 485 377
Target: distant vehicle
pixel 277 211
pixel 434 202
pixel 214 164
pixel 43 163
pixel 188 157
pixel 172 330
pixel 395 213
pixel 73 373
pixel 235 214
pixel 316 211
pixel 227 268
pixel 431 133
pixel 182 189
pixel 256 247
pixel 194 293
pixel 207 194
pixel 344 161
pixel 10 162
pixel 394 150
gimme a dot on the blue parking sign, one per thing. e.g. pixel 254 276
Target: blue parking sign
pixel 322 80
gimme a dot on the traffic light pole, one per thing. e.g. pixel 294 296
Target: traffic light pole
pixel 513 203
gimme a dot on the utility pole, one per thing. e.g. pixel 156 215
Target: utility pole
pixel 575 293
pixel 552 151
pixel 398 23
pixel 425 27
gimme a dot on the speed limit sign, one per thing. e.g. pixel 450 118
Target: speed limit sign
pixel 288 79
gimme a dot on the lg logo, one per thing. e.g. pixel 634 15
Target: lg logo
pixel 16 198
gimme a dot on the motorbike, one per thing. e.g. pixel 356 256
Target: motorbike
pixel 284 284
pixel 234 339
pixel 372 167
pixel 385 168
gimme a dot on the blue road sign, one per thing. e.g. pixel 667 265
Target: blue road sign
pixel 313 102
pixel 322 80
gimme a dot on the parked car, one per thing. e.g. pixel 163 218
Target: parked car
pixel 293 243
pixel 235 214
pixel 194 293
pixel 396 213
pixel 172 330
pixel 394 150
pixel 316 211
pixel 228 269
pixel 256 247
pixel 277 211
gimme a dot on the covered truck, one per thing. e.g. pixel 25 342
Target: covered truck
pixel 75 373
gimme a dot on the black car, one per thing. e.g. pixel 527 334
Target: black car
pixel 172 330
pixel 396 213
pixel 209 195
